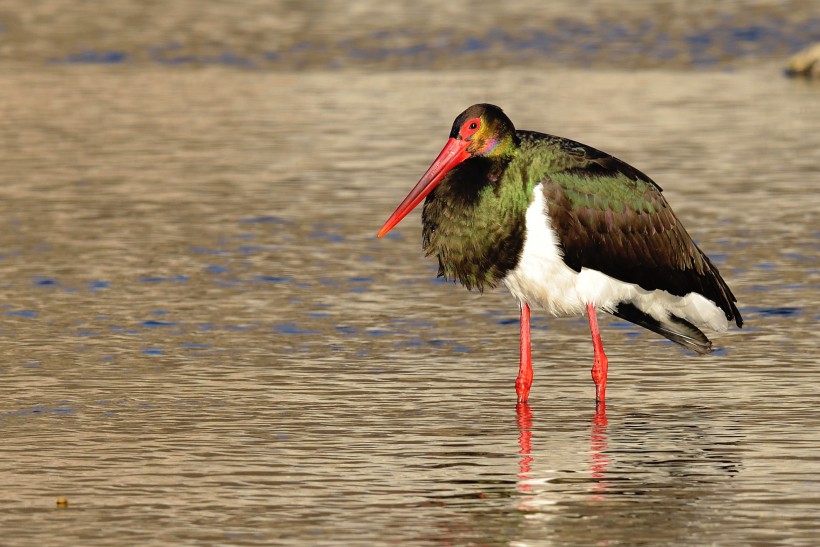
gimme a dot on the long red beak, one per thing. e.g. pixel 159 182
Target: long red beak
pixel 453 153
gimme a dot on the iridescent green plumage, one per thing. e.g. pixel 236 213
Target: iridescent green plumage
pixel 474 224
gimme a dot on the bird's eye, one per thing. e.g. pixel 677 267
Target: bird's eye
pixel 469 128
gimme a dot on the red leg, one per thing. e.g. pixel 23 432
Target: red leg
pixel 524 380
pixel 600 365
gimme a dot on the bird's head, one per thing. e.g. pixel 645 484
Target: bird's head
pixel 483 130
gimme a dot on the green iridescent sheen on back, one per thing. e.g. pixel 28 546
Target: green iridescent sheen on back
pixel 615 193
pixel 552 159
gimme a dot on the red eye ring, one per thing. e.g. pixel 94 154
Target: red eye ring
pixel 470 127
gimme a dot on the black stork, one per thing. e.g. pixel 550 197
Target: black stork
pixel 568 229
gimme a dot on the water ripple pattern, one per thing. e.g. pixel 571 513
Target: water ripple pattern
pixel 204 342
pixel 281 35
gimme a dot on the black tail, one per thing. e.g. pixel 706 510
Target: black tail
pixel 676 329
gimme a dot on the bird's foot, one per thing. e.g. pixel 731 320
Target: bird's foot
pixel 599 369
pixel 600 414
pixel 522 387
pixel 600 393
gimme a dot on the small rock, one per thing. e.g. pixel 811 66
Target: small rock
pixel 805 63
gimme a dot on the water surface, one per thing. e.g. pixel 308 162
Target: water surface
pixel 204 342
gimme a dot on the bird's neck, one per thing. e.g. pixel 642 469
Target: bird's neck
pixel 474 221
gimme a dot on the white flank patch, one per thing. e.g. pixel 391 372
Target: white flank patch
pixel 542 280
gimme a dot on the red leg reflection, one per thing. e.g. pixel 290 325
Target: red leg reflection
pixel 600 365
pixel 598 445
pixel 524 415
pixel 524 380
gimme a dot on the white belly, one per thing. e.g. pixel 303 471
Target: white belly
pixel 542 280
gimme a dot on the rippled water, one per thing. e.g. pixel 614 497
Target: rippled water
pixel 204 342
pixel 331 34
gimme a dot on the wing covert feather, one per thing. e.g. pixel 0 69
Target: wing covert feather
pixel 613 218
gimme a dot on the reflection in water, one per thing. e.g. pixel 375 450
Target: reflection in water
pixel 524 414
pixel 600 460
pixel 616 468
pixel 201 334
pixel 598 446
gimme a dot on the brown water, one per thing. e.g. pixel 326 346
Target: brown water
pixel 204 343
